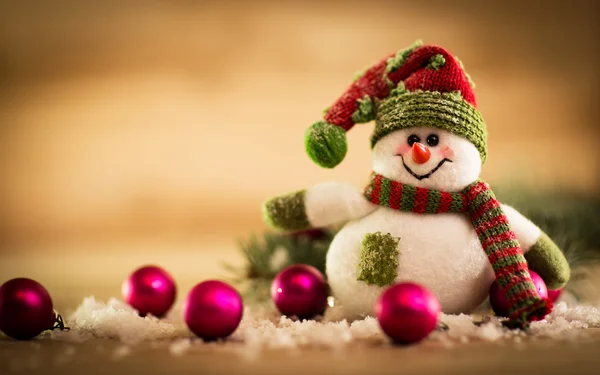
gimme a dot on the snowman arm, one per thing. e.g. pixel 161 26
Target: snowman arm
pixel 542 254
pixel 316 207
pixel 334 202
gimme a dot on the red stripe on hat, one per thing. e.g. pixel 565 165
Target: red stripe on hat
pixel 371 83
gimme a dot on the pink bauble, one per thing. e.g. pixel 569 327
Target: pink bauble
pixel 213 310
pixel 150 290
pixel 300 290
pixel 498 299
pixel 25 309
pixel 407 312
pixel 554 295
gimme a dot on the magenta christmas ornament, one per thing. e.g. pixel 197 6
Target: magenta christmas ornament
pixel 407 312
pixel 25 309
pixel 150 290
pixel 300 290
pixel 501 305
pixel 213 310
pixel 555 294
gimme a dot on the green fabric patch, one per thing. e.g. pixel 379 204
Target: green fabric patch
pixel 365 111
pixel 428 108
pixel 546 259
pixel 286 212
pixel 325 144
pixel 378 263
pixel 436 62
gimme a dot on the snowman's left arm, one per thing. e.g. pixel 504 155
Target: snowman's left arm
pixel 316 207
pixel 542 254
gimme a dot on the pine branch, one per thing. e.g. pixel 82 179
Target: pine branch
pixel 270 253
pixel 571 220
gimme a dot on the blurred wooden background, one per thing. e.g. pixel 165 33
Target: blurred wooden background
pixel 175 120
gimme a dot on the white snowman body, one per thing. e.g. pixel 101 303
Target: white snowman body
pixel 440 251
pixel 446 257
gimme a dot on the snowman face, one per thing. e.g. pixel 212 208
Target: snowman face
pixel 427 157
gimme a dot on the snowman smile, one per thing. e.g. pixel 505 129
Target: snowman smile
pixel 427 175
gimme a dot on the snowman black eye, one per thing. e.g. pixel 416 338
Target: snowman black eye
pixel 433 140
pixel 412 139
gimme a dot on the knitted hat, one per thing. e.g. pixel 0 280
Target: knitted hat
pixel 418 86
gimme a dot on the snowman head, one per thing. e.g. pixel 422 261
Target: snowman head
pixel 428 131
pixel 427 157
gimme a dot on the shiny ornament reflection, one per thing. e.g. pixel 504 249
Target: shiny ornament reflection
pixel 150 290
pixel 407 312
pixel 300 290
pixel 25 309
pixel 213 310
pixel 555 294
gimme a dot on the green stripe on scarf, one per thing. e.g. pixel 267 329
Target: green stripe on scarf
pixel 433 201
pixel 407 202
pixel 385 192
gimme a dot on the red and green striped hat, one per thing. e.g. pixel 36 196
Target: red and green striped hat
pixel 418 86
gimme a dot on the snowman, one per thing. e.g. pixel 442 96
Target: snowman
pixel 425 217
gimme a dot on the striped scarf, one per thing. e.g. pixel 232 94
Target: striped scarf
pixel 491 224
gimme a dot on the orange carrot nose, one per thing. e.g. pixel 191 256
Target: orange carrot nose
pixel 420 153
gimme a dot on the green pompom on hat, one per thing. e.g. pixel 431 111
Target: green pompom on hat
pixel 417 86
pixel 326 144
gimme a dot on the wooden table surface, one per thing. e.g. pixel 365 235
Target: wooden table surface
pixel 98 357
pixel 70 275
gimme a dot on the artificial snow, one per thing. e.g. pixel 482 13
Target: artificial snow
pixel 117 320
pixel 262 328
